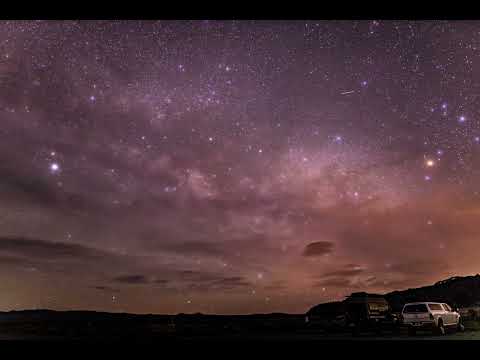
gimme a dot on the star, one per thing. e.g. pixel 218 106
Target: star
pixel 54 167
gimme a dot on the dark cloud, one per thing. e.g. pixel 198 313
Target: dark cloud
pixel 33 189
pixel 231 282
pixel 161 281
pixel 224 284
pixel 43 249
pixel 343 273
pixel 318 248
pixel 132 279
pixel 105 288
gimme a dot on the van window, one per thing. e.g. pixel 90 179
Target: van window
pixel 376 307
pixel 446 307
pixel 435 307
pixel 415 308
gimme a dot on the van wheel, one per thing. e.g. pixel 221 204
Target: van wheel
pixel 411 331
pixel 460 327
pixel 440 327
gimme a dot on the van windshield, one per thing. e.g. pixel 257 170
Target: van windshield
pixel 435 307
pixel 415 308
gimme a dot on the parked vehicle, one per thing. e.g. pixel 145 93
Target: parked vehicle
pixel 327 316
pixel 368 312
pixel 470 313
pixel 433 316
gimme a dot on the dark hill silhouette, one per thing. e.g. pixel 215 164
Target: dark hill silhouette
pixel 457 291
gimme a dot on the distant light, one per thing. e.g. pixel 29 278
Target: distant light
pixel 428 178
pixel 54 167
pixel 477 139
pixel 462 119
pixel 430 163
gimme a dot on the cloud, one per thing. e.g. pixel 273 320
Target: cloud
pixel 220 284
pixel 34 189
pixel 132 279
pixel 318 248
pixel 343 273
pixel 231 282
pixel 48 250
pixel 161 281
pixel 105 288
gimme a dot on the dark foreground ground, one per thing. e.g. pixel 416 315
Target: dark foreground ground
pixel 91 326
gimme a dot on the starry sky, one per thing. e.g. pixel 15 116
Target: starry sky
pixel 235 166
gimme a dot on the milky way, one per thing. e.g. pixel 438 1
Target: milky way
pixel 237 166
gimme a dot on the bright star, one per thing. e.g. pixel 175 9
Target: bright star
pixel 54 167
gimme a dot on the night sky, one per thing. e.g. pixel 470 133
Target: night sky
pixel 235 166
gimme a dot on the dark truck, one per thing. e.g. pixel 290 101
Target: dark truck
pixel 327 316
pixel 369 312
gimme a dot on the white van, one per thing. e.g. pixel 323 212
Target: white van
pixel 431 316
